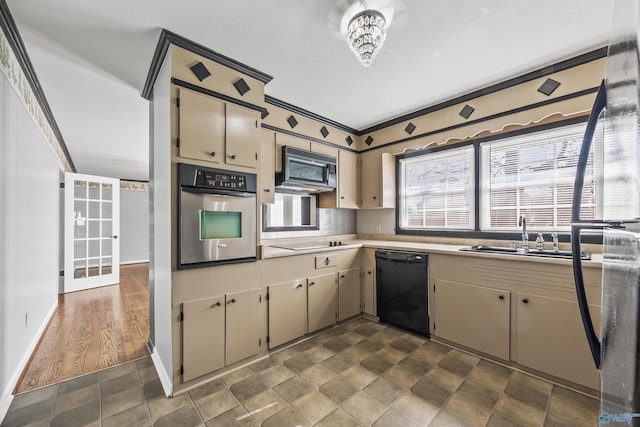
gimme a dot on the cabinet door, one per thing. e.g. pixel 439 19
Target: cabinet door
pixel 369 291
pixel 322 301
pixel 377 180
pixel 287 312
pixel 243 136
pixel 348 293
pixel 473 316
pixel 201 126
pixel 370 180
pixel 550 338
pixel 240 336
pixel 202 336
pixel 267 175
pixel 347 180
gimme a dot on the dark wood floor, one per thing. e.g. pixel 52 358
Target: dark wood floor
pixel 93 330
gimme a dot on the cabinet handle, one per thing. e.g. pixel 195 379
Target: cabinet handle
pixel 233 156
pixel 312 283
pixel 342 197
pixel 501 297
pixel 299 285
pixel 342 277
pixel 267 190
pixel 233 301
pixel 217 304
pixel 368 272
pixel 374 197
pixel 525 300
pixel 212 154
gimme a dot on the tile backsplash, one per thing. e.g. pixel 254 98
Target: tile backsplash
pixel 332 222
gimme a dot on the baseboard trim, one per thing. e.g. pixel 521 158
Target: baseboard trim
pixel 7 394
pixel 165 379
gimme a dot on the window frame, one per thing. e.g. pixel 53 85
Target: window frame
pixel 477 233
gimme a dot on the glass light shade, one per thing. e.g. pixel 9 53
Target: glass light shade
pixel 366 33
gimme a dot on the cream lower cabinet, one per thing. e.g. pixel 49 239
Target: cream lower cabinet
pixel 287 311
pixel 348 293
pixel 322 300
pixel 473 316
pixel 219 331
pixel 369 291
pixel 202 336
pixel 550 338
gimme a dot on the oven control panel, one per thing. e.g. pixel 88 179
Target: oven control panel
pixel 227 181
pixel 215 179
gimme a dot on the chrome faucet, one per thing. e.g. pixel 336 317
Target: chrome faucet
pixel 522 222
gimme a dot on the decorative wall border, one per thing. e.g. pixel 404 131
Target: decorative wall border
pixel 134 185
pixel 19 72
pixel 167 38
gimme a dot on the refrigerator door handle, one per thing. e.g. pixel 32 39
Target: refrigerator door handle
pixel 577 225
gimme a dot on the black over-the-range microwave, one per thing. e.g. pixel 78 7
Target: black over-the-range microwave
pixel 304 170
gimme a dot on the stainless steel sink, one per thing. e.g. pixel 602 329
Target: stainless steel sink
pixel 532 252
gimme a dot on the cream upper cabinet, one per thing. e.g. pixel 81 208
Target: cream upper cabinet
pixel 218 132
pixel 347 180
pixel 287 311
pixel 348 293
pixel 267 176
pixel 203 333
pixel 329 150
pixel 346 194
pixel 474 316
pixel 243 135
pixel 322 297
pixel 202 120
pixel 377 180
pixel 550 338
pixel 282 139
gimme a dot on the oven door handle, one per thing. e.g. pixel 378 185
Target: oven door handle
pixel 197 190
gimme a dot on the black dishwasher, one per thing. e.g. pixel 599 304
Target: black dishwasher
pixel 402 289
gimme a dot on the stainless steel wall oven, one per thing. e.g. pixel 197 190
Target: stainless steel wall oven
pixel 216 216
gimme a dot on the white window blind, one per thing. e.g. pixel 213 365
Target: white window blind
pixel 437 190
pixel 533 175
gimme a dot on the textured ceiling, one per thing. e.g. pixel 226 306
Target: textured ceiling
pixel 92 57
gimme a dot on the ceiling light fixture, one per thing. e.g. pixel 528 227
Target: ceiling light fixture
pixel 365 34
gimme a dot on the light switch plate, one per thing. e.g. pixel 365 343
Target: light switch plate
pixel 325 261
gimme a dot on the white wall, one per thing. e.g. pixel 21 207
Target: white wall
pixel 134 226
pixel 160 217
pixel 29 226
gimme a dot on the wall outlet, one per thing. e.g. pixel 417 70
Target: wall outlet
pixel 378 229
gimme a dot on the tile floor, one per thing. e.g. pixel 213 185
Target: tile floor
pixel 359 373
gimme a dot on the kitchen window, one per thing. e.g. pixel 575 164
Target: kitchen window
pixel 533 175
pixel 481 189
pixel 437 190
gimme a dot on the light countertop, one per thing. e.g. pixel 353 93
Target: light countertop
pixel 276 250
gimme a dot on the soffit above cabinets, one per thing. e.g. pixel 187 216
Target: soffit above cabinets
pixel 92 58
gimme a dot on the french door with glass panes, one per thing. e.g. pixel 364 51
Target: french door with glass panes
pixel 92 224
